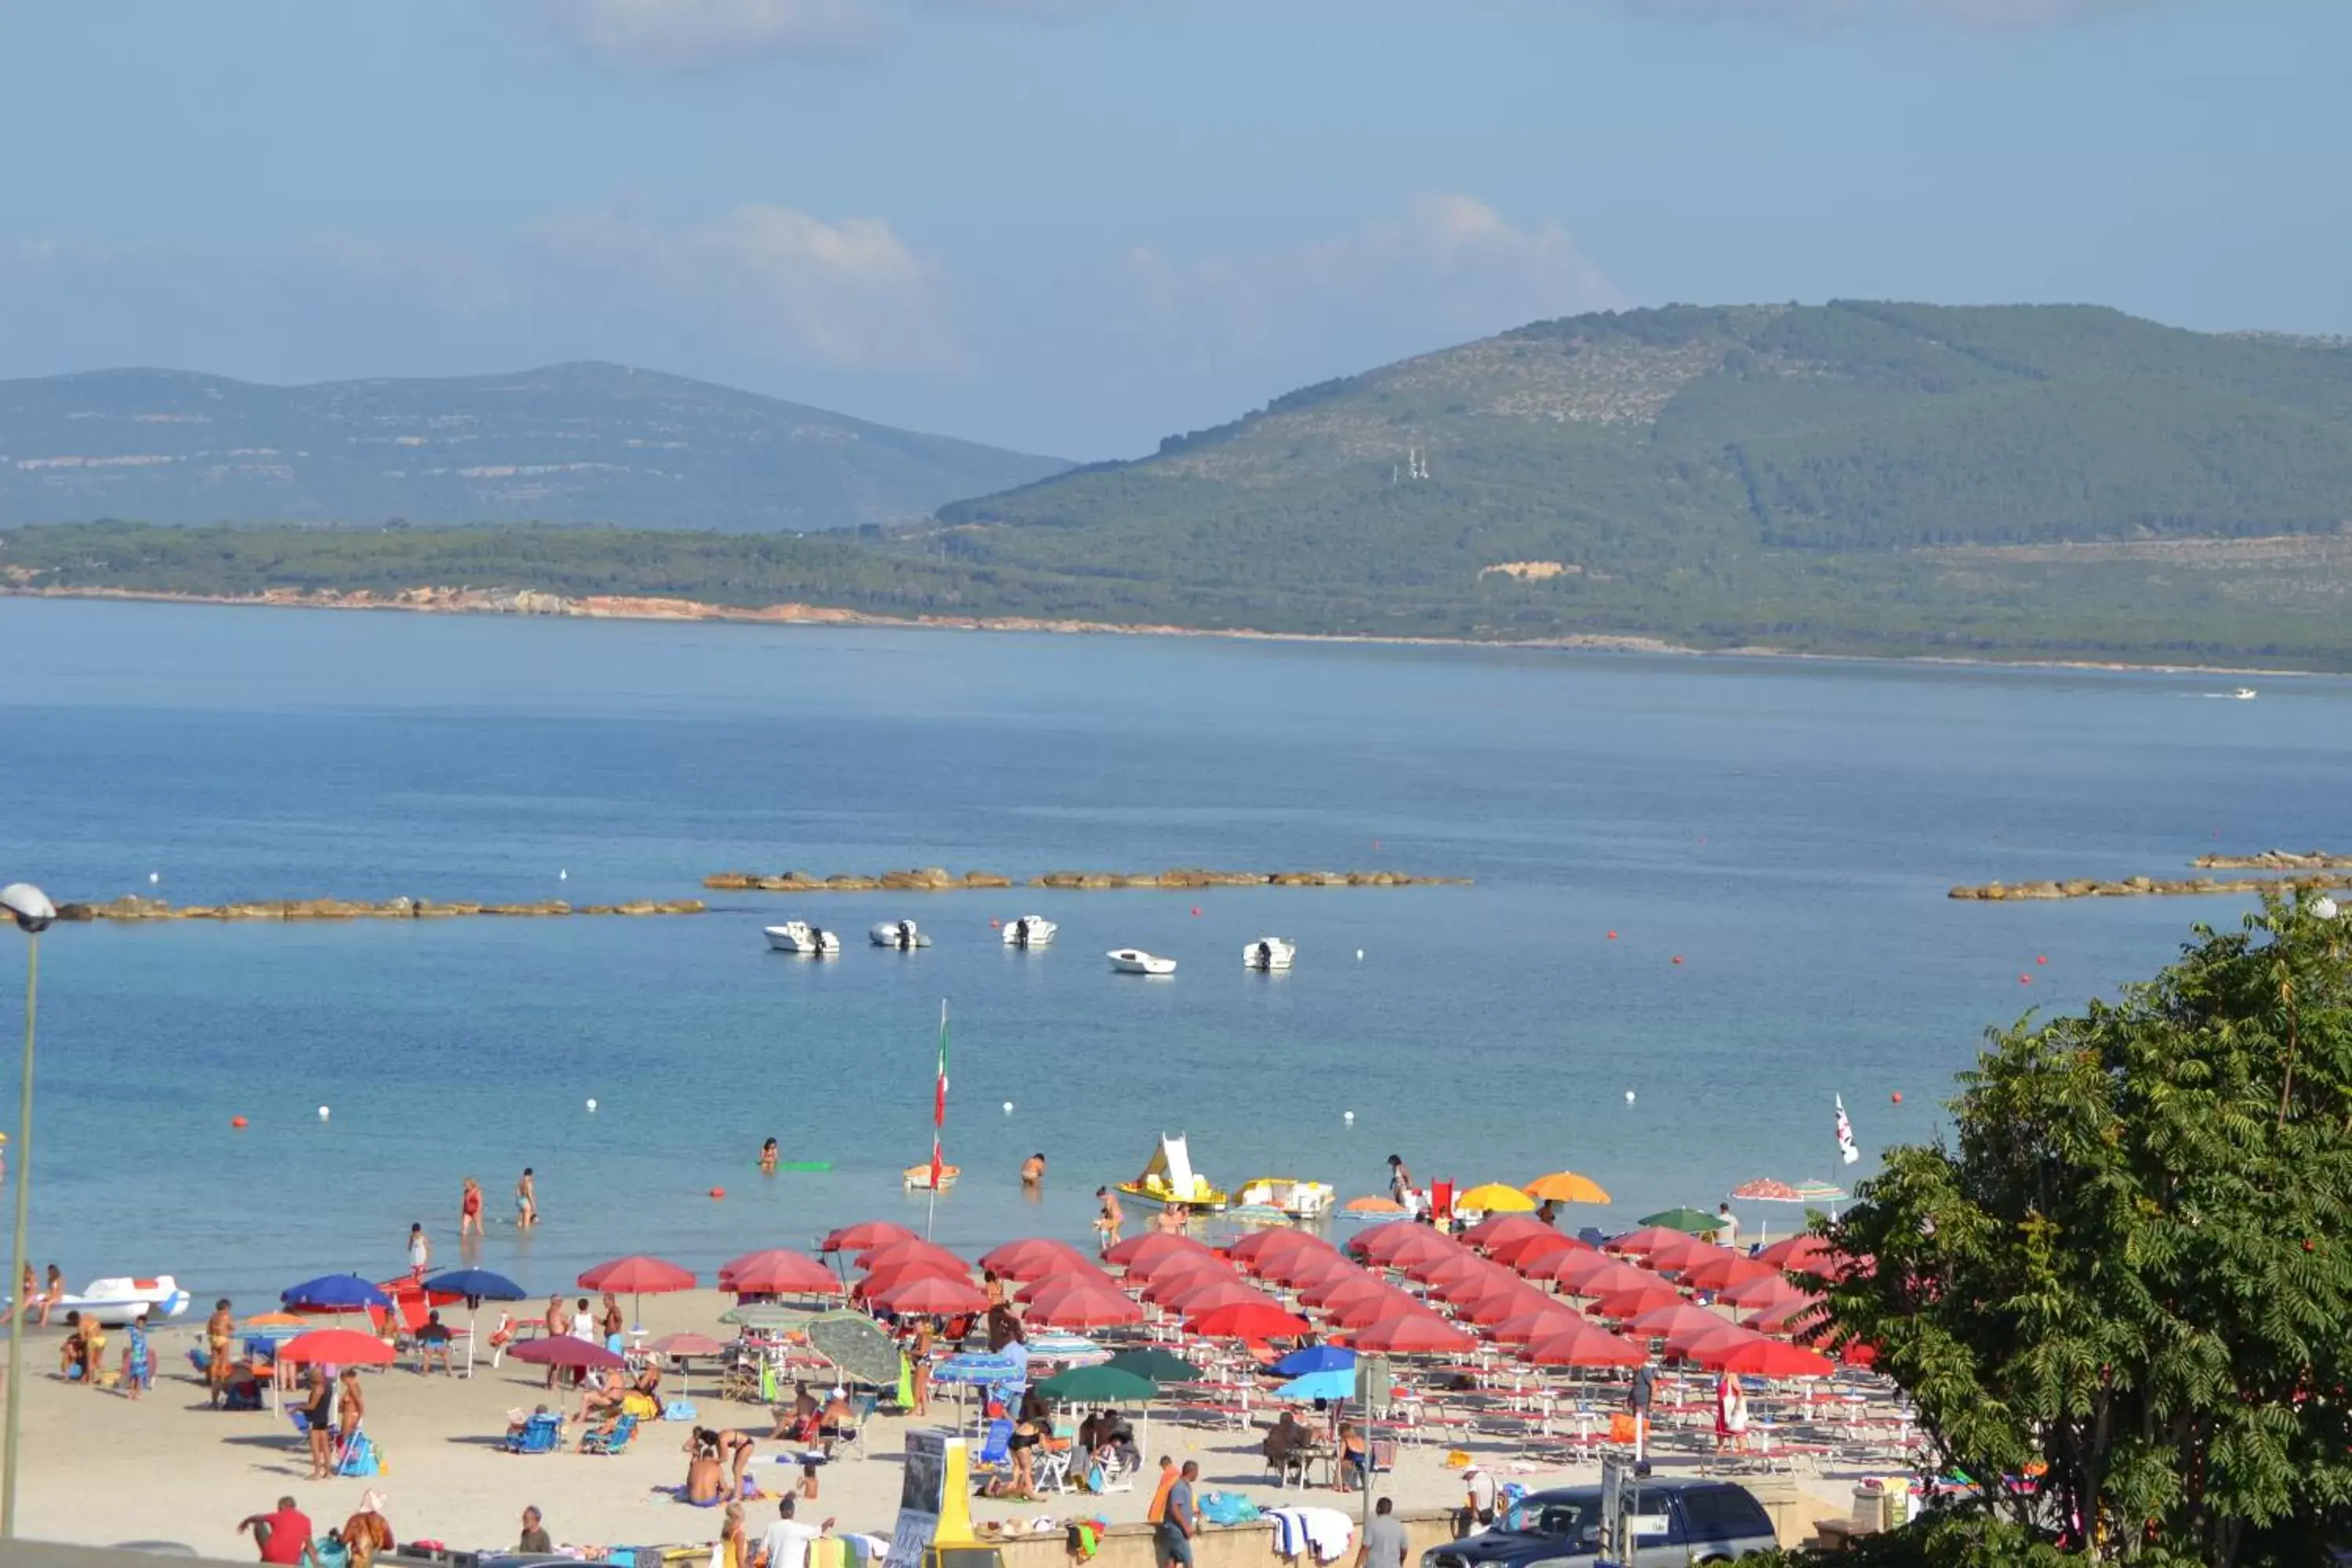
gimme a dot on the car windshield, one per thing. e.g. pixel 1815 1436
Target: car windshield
pixel 1569 1519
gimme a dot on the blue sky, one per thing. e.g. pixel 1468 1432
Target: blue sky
pixel 1075 226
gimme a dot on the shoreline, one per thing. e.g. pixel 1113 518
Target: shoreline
pixel 532 602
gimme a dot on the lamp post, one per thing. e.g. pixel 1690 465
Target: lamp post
pixel 31 910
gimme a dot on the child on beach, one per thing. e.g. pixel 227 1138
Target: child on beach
pixel 138 1361
pixel 420 1252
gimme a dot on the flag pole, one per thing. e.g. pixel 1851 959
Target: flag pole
pixel 939 1123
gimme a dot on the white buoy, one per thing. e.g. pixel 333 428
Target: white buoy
pixel 323 1113
pixel 592 1107
pixel 1346 1116
pixel 564 876
pixel 1008 1108
pixel 154 879
pixel 1629 1096
pixel 1360 955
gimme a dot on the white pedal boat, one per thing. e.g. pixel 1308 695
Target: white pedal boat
pixel 1135 961
pixel 900 934
pixel 798 936
pixel 115 1302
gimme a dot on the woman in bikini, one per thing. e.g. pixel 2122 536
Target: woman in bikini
pixel 469 1210
pixel 526 1200
pixel 350 1406
pixel 220 1330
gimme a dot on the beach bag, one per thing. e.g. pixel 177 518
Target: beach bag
pixel 1227 1507
pixel 363 1458
pixel 677 1410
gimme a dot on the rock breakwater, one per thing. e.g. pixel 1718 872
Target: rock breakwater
pixel 2142 887
pixel 2275 860
pixel 131 908
pixel 936 879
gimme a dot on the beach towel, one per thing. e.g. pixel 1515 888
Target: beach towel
pixel 1227 1508
pixel 1328 1532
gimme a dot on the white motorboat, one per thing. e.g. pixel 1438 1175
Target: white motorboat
pixel 1029 931
pixel 2245 694
pixel 1270 954
pixel 1135 961
pixel 115 1302
pixel 808 940
pixel 900 934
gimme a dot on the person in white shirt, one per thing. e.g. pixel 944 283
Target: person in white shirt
pixel 1726 1225
pixel 1482 1498
pixel 786 1544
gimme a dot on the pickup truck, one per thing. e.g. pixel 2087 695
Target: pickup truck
pixel 1695 1522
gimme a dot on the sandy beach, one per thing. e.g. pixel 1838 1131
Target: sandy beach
pixel 98 1469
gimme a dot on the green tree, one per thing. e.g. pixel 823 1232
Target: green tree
pixel 2131 1266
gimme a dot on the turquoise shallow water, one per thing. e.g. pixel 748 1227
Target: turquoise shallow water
pixel 1787 828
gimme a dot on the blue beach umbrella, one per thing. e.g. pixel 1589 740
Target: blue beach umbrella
pixel 1329 1383
pixel 334 1293
pixel 1315 1357
pixel 477 1286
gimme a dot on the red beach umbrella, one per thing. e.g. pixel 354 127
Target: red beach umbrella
pixel 1153 1244
pixel 1463 1290
pixel 1536 1323
pixel 931 1295
pixel 1763 1294
pixel 1297 1268
pixel 1176 1266
pixel 1086 1306
pixel 338 1347
pixel 1614 1278
pixel 1642 1243
pixel 862 1236
pixel 565 1349
pixel 884 1280
pixel 1632 1303
pixel 1399 1245
pixel 1773 1358
pixel 1339 1289
pixel 1724 1270
pixel 1502 1306
pixel 1449 1267
pixel 1584 1345
pixel 1275 1242
pixel 1708 1349
pixel 1415 1333
pixel 1032 1259
pixel 1569 1271
pixel 1677 1252
pixel 1675 1316
pixel 1799 1317
pixel 1496 1230
pixel 777 1272
pixel 1249 1321
pixel 1174 1279
pixel 1796 1252
pixel 1363 1311
pixel 639 1276
pixel 911 1249
pixel 1545 1243
pixel 1084 1273
pixel 1196 1293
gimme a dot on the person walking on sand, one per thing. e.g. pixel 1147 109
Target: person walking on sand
pixel 469 1210
pixel 526 1200
pixel 220 1332
pixel 1108 1222
pixel 420 1251
pixel 1172 1543
pixel 786 1544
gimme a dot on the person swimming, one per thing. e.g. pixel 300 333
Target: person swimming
pixel 768 1154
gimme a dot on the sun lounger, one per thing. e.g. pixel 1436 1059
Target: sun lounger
pixel 540 1435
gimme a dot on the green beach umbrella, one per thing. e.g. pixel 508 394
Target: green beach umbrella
pixel 857 1346
pixel 1690 1221
pixel 1104 1384
pixel 1158 1365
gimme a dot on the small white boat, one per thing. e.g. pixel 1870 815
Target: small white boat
pixel 1270 954
pixel 900 934
pixel 115 1302
pixel 810 941
pixel 2245 694
pixel 1029 931
pixel 1135 961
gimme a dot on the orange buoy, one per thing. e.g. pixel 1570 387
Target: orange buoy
pixel 2038 958
pixel 1612 936
pixel 1678 958
pixel 236 1122
pixel 2025 979
pixel 1898 1096
pixel 996 925
pixel 1196 912
pixel 718 1192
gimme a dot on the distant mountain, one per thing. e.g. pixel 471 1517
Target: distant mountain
pixel 1670 468
pixel 573 443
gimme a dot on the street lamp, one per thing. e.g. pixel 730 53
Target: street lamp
pixel 31 910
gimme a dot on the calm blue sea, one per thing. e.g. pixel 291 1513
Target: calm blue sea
pixel 1787 828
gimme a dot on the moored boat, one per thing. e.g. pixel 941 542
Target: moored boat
pixel 918 1177
pixel 1269 954
pixel 1168 1179
pixel 115 1302
pixel 800 937
pixel 1135 961
pixel 1029 931
pixel 900 934
pixel 1287 1197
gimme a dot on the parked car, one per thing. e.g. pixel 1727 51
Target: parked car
pixel 1700 1521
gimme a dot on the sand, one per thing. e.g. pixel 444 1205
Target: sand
pixel 98 1469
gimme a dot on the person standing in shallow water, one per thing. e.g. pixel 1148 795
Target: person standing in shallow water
pixel 768 1158
pixel 526 1200
pixel 469 1210
pixel 420 1251
pixel 1033 1171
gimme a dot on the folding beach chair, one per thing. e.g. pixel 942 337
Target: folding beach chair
pixel 598 1443
pixel 996 1453
pixel 540 1435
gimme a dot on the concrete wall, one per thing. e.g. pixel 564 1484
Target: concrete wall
pixel 1218 1545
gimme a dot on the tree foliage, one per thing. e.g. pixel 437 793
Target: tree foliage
pixel 2128 1276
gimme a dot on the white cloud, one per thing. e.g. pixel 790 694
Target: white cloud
pixel 678 34
pixel 1449 267
pixel 848 292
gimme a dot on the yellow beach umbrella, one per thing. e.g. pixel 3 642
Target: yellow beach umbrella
pixel 1494 1197
pixel 1567 1187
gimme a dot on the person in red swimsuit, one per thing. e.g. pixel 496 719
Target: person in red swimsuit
pixel 469 1210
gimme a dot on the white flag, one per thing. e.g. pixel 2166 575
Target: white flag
pixel 1846 1151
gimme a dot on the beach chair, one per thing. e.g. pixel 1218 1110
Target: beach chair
pixel 540 1435
pixel 865 1405
pixel 356 1454
pixel 997 1452
pixel 599 1442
